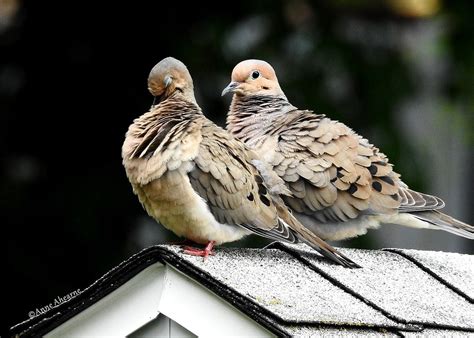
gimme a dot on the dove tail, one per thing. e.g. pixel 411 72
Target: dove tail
pixel 441 221
pixel 306 236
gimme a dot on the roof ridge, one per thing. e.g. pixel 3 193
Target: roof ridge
pixel 170 255
pixel 227 293
pixel 112 280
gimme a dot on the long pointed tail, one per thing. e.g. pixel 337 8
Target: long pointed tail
pixel 444 222
pixel 314 241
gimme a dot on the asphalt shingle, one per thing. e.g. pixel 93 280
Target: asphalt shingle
pixel 397 286
pixel 430 333
pixel 286 288
pixel 311 331
pixel 455 269
pixel 291 290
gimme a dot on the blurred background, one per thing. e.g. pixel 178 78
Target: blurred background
pixel 73 77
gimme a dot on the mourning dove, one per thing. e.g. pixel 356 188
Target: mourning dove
pixel 200 182
pixel 341 184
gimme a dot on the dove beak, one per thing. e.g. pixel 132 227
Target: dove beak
pixel 230 88
pixel 167 81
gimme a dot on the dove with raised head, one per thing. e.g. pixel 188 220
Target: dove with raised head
pixel 340 184
pixel 197 180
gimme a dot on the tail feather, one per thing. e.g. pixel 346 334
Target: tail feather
pixel 412 201
pixel 444 222
pixel 308 237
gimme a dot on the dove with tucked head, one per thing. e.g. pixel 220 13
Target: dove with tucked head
pixel 197 180
pixel 340 184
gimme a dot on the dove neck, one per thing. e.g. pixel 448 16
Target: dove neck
pixel 252 118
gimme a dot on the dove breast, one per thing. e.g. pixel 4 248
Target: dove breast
pixel 178 207
pixel 159 154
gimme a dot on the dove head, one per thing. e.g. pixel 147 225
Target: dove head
pixel 169 76
pixel 252 77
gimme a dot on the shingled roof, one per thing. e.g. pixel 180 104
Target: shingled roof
pixel 292 291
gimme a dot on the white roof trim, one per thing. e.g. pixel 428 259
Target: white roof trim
pixel 160 289
pixel 122 311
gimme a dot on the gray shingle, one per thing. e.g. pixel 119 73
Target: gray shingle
pixel 287 288
pixel 433 333
pixel 456 269
pixel 290 290
pixel 311 331
pixel 399 287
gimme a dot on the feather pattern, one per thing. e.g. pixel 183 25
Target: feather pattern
pixel 334 175
pixel 202 183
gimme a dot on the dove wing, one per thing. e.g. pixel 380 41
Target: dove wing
pixel 335 174
pixel 233 188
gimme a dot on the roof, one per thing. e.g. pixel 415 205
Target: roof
pixel 292 291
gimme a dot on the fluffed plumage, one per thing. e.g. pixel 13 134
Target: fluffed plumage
pixel 200 182
pixel 341 185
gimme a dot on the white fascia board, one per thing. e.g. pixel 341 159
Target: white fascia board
pixel 122 311
pixel 160 289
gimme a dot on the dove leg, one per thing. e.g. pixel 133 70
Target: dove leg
pixel 200 252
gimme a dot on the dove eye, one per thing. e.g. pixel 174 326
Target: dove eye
pixel 255 74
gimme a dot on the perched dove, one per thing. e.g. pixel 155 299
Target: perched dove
pixel 200 182
pixel 341 184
